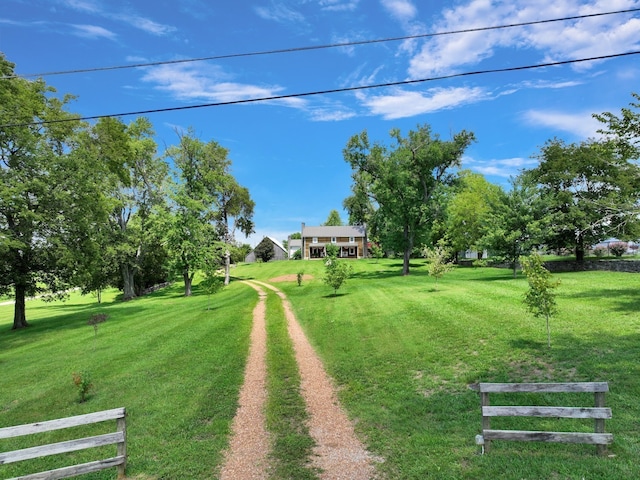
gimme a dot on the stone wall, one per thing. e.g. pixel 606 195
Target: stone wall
pixel 629 266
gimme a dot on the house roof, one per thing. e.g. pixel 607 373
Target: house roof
pixel 295 242
pixel 334 231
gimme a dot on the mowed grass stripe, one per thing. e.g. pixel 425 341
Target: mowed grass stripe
pixel 176 366
pixel 404 354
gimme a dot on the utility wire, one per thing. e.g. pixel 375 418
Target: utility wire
pixel 318 47
pixel 326 92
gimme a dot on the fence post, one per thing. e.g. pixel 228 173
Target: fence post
pixel 599 422
pixel 486 421
pixel 121 425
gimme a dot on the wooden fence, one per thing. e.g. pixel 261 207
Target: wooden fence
pixel 118 438
pixel 599 413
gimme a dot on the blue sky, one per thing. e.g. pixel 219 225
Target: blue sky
pixel 288 152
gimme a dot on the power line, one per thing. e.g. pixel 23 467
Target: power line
pixel 326 92
pixel 318 47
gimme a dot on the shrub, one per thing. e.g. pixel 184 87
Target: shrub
pixel 300 276
pixel 618 248
pixel 599 251
pixel 376 251
pixel 82 380
pixel 297 255
pixel 332 250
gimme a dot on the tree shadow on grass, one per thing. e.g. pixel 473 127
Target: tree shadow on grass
pixel 600 356
pixel 527 344
pixel 335 295
pixel 59 321
pixel 625 299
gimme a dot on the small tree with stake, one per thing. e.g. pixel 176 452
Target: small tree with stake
pixel 540 299
pixel 336 271
pixel 438 261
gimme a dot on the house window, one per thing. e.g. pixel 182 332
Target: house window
pixel 314 240
pixel 334 240
pixel 352 239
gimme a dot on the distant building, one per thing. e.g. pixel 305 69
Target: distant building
pixel 279 253
pixel 352 241
pixel 294 244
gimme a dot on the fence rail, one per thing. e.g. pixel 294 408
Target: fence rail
pixel 118 438
pixel 599 413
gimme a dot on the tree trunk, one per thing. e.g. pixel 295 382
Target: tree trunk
pixel 408 239
pixel 548 333
pixel 227 266
pixel 187 283
pixel 128 288
pixel 19 315
pixel 579 254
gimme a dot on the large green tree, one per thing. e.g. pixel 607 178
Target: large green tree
pixel 235 210
pixel 624 131
pixel 468 210
pixel 401 180
pixel 129 247
pixel 209 206
pixel 264 250
pixel 512 227
pixel 583 186
pixel 191 233
pixel 49 192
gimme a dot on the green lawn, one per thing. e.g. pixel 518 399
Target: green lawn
pixel 402 353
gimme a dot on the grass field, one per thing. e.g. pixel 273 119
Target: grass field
pixel 402 353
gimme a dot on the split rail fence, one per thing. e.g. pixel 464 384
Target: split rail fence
pixel 598 412
pixel 118 438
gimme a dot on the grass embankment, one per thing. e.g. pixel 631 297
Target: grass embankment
pixel 401 353
pixel 176 366
pixel 404 354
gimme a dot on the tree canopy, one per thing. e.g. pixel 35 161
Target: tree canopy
pixel 401 180
pixel 333 219
pixel 583 186
pixel 50 201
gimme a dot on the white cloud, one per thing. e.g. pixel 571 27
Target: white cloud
pixel 505 167
pixel 551 41
pixel 335 114
pixel 136 21
pixel 145 24
pixel 401 9
pixel 544 84
pixel 211 84
pixel 582 125
pixel 402 103
pixel 339 5
pixel 279 12
pixel 82 5
pixel 93 31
